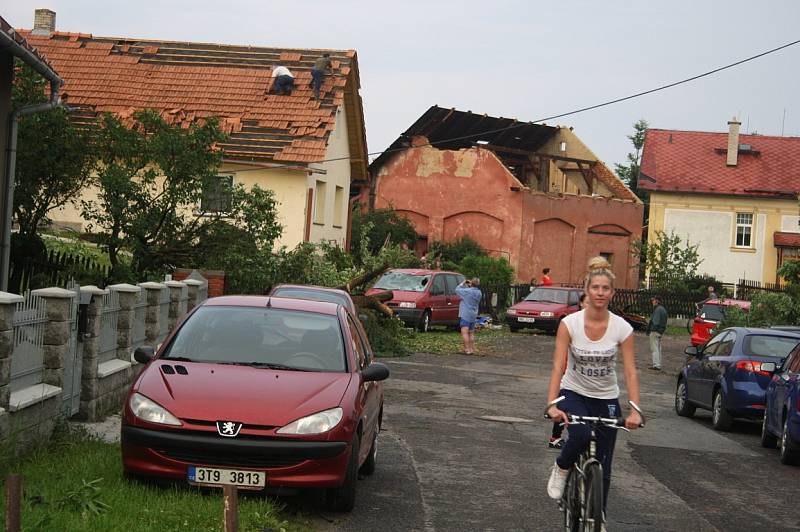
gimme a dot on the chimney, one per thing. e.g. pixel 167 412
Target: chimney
pixel 733 141
pixel 44 22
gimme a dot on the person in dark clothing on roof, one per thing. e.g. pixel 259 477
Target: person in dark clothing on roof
pixel 283 80
pixel 321 67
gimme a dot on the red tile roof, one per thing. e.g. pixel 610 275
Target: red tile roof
pixel 790 240
pixel 608 178
pixel 187 82
pixel 694 161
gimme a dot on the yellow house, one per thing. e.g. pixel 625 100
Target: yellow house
pixel 734 195
pixel 308 151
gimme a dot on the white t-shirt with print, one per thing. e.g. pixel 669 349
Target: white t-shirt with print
pixel 591 365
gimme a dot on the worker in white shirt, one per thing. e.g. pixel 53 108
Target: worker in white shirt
pixel 283 80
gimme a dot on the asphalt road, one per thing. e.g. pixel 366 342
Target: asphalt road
pixel 443 466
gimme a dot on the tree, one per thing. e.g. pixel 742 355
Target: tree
pixel 54 157
pixel 383 225
pixel 629 173
pixel 668 259
pixel 150 181
pixel 454 252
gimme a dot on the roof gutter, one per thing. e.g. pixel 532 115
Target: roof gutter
pixel 7 41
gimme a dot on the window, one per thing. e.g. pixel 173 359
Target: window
pixel 608 256
pixel 320 193
pixel 452 282
pixel 358 347
pixel 216 194
pixel 744 229
pixel 338 206
pixel 438 288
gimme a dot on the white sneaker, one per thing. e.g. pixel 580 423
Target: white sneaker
pixel 556 482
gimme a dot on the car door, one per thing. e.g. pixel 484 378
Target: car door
pixel 369 394
pixel 573 301
pixel 785 384
pixel 452 300
pixel 716 366
pixel 438 299
pixel 694 371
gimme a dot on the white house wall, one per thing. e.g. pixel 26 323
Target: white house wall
pixel 337 175
pixel 790 224
pixel 713 233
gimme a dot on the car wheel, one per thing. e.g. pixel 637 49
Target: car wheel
pixel 368 467
pixel 425 322
pixel 768 439
pixel 721 419
pixel 682 405
pixel 788 454
pixel 689 325
pixel 343 498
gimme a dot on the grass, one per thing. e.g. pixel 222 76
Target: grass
pixel 441 341
pixel 673 330
pixel 76 484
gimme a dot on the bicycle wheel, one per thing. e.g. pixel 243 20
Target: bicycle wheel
pixel 571 501
pixel 592 518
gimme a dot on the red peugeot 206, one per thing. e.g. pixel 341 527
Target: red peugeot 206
pixel 258 392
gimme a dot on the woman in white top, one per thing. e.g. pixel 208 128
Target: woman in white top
pixel 584 372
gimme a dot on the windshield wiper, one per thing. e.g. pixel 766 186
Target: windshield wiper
pixel 178 359
pixel 266 365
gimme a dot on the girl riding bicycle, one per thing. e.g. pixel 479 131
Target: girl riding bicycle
pixel 584 372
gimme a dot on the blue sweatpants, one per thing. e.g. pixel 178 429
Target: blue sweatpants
pixel 575 403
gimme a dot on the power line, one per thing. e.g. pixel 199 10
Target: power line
pixel 553 117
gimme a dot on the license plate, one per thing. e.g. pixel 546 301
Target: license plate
pixel 526 320
pixel 209 476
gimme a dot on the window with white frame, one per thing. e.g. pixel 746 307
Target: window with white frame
pixel 744 229
pixel 216 194
pixel 320 197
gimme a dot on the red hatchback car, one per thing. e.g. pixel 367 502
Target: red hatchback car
pixel 543 308
pixel 258 392
pixel 709 314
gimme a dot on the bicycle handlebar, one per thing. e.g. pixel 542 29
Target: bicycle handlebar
pixel 617 423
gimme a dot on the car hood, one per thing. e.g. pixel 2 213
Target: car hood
pixel 212 392
pixel 540 306
pixel 398 295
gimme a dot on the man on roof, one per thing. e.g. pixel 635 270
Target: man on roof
pixel 318 71
pixel 282 80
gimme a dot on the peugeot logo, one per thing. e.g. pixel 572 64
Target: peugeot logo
pixel 228 429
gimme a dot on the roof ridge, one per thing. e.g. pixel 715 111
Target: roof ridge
pixel 725 133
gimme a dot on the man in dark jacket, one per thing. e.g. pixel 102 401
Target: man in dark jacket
pixel 655 329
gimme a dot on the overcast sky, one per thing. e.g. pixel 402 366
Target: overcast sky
pixel 521 59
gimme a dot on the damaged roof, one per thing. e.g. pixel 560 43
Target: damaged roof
pixel 695 161
pixel 20 47
pixel 187 81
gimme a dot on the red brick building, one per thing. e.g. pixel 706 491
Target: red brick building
pixel 532 193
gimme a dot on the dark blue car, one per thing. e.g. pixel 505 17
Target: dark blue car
pixel 782 418
pixel 724 375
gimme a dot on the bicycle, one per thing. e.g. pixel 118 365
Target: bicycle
pixel 582 501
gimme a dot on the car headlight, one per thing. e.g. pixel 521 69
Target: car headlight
pixel 511 312
pixel 314 424
pixel 148 410
pixel 546 314
pixel 407 304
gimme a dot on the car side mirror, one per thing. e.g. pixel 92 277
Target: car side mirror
pixel 692 351
pixel 769 367
pixel 144 354
pixel 376 371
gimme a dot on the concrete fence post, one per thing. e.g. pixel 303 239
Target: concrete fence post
pixel 91 351
pixel 152 326
pixel 8 304
pixel 193 287
pixel 56 332
pixel 177 301
pixel 128 295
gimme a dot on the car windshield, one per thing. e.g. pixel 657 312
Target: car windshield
pixel 260 337
pixel 548 295
pixel 712 312
pixel 762 345
pixel 314 295
pixel 403 281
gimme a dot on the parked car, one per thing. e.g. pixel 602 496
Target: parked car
pixel 422 298
pixel 709 314
pixel 782 416
pixel 316 293
pixel 543 308
pixel 726 377
pixel 258 392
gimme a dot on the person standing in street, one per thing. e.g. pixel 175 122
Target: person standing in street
pixel 546 280
pixel 712 294
pixel 470 296
pixel 655 329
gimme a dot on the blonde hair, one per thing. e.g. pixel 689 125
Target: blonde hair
pixel 598 266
